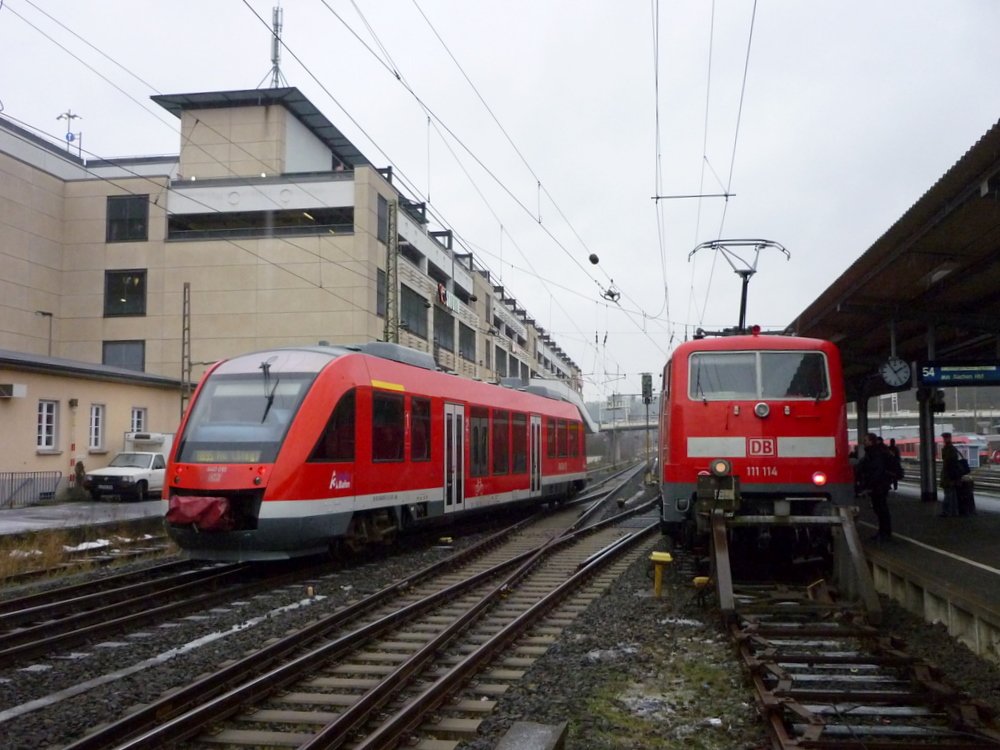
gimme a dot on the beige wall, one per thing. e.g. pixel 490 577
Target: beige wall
pixel 240 142
pixel 31 232
pixel 19 417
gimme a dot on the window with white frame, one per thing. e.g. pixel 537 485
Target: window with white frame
pixel 95 439
pixel 138 422
pixel 48 420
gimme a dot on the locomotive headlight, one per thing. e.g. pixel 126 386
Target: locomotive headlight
pixel 721 468
pixel 761 409
pixel 819 478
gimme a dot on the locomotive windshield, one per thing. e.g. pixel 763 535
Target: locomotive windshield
pixel 242 418
pixel 726 376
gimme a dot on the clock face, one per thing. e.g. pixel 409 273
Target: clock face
pixel 895 371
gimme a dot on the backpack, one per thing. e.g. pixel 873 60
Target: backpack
pixel 963 466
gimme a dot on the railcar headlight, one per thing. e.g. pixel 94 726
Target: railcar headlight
pixel 819 478
pixel 761 409
pixel 721 468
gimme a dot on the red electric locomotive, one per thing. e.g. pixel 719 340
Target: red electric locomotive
pixel 289 451
pixel 756 424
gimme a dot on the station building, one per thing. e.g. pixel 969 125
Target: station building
pixel 269 228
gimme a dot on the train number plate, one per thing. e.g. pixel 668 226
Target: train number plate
pixel 758 472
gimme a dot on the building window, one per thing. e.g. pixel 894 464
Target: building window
pixel 230 225
pixel 380 286
pixel 420 425
pixel 388 423
pixel 412 311
pixel 500 363
pixel 444 329
pixel 138 421
pixel 124 293
pixel 128 354
pixel 95 440
pixel 466 342
pixel 48 421
pixel 383 220
pixel 128 218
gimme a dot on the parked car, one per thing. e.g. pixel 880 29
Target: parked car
pixel 131 475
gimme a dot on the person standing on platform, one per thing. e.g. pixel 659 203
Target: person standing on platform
pixel 950 476
pixel 897 463
pixel 875 479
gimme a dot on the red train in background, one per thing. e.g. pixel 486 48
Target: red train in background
pixel 758 424
pixel 288 452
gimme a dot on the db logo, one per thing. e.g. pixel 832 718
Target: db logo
pixel 761 447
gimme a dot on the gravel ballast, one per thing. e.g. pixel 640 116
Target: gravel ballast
pixel 632 671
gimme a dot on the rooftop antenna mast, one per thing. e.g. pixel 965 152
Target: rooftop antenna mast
pixel 743 267
pixel 277 79
pixel 68 116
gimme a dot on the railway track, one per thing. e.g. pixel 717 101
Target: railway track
pixel 392 666
pixel 825 676
pixel 64 617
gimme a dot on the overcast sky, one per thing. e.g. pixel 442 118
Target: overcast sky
pixel 851 110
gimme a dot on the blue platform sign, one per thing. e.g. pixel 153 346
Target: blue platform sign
pixel 955 373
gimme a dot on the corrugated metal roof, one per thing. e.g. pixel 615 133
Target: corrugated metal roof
pixel 937 265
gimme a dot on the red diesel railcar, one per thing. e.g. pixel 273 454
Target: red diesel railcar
pixel 289 451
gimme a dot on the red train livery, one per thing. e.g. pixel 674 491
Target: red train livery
pixel 289 451
pixel 766 413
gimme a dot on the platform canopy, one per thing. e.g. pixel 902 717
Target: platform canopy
pixel 934 276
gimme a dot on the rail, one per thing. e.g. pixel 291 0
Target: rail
pixel 19 489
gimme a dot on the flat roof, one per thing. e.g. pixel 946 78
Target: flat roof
pixel 58 366
pixel 289 97
pixel 937 266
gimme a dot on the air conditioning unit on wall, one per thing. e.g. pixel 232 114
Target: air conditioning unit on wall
pixel 13 390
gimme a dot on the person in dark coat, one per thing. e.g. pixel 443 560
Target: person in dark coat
pixel 950 476
pixel 875 478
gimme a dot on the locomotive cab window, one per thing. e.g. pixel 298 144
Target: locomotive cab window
pixel 729 376
pixel 337 441
pixel 387 427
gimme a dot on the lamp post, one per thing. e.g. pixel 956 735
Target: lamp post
pixel 47 314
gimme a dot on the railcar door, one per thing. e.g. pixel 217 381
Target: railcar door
pixel 454 457
pixel 535 451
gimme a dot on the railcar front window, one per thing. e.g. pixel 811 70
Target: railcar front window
pixel 240 419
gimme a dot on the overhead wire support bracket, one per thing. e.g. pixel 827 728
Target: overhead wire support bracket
pixel 743 267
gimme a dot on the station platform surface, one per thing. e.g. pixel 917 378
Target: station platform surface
pixel 961 553
pixel 71 515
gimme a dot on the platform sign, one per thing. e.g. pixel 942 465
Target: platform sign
pixel 953 373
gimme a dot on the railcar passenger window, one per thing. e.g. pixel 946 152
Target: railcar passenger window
pixel 561 439
pixel 479 425
pixel 519 433
pixel 550 437
pixel 719 376
pixel 574 439
pixel 337 441
pixel 794 375
pixel 387 427
pixel 501 442
pixel 420 426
